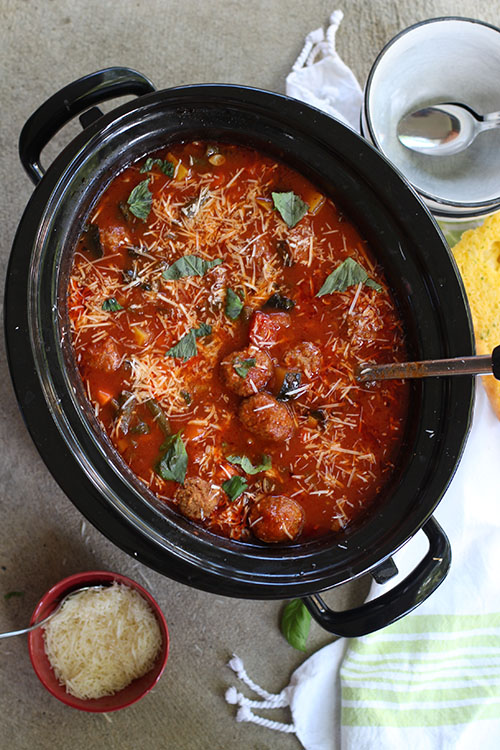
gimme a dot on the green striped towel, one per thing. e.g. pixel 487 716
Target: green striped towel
pixel 430 681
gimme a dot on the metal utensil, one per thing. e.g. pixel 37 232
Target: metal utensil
pixel 476 365
pixel 443 129
pixel 54 612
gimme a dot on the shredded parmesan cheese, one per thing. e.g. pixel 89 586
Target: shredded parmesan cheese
pixel 101 640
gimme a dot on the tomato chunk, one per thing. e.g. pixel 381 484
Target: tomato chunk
pixel 265 329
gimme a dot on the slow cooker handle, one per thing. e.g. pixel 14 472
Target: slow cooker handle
pixel 397 602
pixel 74 98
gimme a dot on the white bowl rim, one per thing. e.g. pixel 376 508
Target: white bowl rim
pixel 470 210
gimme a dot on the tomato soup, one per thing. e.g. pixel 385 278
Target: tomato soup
pixel 219 305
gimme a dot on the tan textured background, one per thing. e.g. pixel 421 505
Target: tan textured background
pixel 44 45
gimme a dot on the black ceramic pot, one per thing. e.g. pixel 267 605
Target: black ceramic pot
pixel 404 238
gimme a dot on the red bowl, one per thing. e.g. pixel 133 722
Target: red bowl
pixel 130 694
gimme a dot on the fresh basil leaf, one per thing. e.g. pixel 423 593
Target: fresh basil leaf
pixel 186 347
pixel 111 305
pixel 167 167
pixel 348 273
pixel 295 624
pixel 140 200
pixel 248 466
pixel 290 206
pixel 242 366
pixel 187 397
pixel 234 304
pixel 12 594
pixel 234 487
pixel 189 265
pixel 173 464
pixel 204 330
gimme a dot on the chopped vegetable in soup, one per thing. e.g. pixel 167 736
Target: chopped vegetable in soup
pixel 219 304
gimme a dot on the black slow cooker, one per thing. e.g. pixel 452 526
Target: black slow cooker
pixel 404 238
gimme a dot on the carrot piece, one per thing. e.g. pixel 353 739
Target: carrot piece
pixel 140 335
pixel 103 396
pixel 315 201
pixel 180 169
pixel 122 445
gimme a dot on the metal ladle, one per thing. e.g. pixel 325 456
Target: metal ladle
pixel 443 129
pixel 54 612
pixel 476 365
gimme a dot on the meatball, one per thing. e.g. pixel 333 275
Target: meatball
pixel 104 355
pixel 276 519
pixel 305 357
pixel 196 499
pixel 246 381
pixel 266 417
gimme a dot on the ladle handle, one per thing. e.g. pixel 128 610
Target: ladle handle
pixel 476 365
pixel 396 603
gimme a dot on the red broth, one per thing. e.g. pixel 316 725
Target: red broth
pixel 202 261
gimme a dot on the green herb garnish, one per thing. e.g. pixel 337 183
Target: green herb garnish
pixel 173 464
pixel 111 305
pixel 187 397
pixel 234 304
pixel 12 594
pixel 234 487
pixel 248 466
pixel 186 347
pixel 159 415
pixel 290 206
pixel 167 167
pixel 295 624
pixel 204 330
pixel 140 200
pixel 189 265
pixel 242 366
pixel 348 273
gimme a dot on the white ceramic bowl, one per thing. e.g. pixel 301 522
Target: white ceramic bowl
pixel 438 60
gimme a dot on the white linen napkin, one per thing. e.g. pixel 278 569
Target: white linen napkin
pixel 430 681
pixel 320 78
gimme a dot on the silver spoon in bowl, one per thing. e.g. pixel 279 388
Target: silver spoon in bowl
pixel 476 365
pixel 54 612
pixel 443 129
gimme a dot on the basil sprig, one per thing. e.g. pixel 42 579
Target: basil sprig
pixel 348 273
pixel 189 265
pixel 186 347
pixel 111 305
pixel 248 466
pixel 295 624
pixel 167 167
pixel 140 200
pixel 290 206
pixel 173 464
pixel 234 487
pixel 234 304
pixel 242 366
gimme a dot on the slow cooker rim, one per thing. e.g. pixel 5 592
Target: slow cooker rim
pixel 47 187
